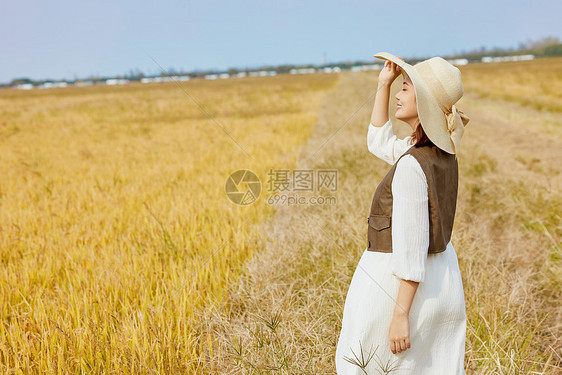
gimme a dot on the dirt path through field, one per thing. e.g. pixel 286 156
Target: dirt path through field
pixel 286 310
pixel 524 141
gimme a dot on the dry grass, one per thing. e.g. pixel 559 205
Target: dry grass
pixel 115 225
pixel 507 235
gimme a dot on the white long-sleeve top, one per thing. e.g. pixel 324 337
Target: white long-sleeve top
pixel 410 210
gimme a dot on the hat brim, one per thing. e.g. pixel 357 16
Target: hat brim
pixel 432 118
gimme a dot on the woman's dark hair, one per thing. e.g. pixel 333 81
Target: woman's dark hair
pixel 420 138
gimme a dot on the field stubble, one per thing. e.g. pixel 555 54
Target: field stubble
pixel 284 315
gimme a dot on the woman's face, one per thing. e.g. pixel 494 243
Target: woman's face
pixel 406 108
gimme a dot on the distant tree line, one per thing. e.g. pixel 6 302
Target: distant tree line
pixel 545 47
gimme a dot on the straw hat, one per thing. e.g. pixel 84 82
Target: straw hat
pixel 438 87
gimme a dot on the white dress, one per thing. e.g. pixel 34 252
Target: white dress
pixel 437 314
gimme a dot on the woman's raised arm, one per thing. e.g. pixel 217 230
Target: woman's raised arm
pixel 387 75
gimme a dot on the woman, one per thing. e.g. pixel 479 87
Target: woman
pixel 405 311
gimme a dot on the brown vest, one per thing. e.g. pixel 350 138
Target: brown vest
pixel 441 171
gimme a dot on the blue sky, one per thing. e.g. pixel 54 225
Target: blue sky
pixel 62 39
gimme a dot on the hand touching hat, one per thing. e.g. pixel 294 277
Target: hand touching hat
pixel 438 87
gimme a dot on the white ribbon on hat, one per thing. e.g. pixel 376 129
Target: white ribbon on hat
pixel 456 121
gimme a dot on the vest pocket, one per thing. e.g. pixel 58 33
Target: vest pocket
pixel 379 222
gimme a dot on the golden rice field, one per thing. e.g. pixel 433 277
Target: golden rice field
pixel 115 225
pixel 536 83
pixel 121 252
